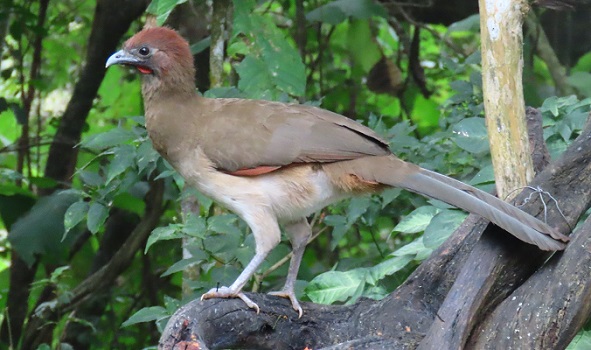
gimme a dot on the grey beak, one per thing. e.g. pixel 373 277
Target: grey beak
pixel 121 57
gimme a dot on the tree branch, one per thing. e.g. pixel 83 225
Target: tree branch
pixel 538 36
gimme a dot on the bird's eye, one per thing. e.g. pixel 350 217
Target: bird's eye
pixel 144 51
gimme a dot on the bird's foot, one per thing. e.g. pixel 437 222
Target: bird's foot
pixel 291 296
pixel 228 293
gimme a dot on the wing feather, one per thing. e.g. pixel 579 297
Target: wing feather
pixel 273 134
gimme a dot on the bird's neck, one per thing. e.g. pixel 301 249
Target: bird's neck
pixel 168 85
pixel 171 110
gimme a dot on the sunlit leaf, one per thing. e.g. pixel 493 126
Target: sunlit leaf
pixel 334 286
pixel 417 220
pixel 471 135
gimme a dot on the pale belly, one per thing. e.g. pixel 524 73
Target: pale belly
pixel 288 194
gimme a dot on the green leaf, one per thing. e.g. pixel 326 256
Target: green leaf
pixel 337 11
pixel 180 265
pixel 471 135
pixel 387 268
pixel 224 246
pixel 389 195
pixel 462 87
pixel 163 233
pixel 146 157
pixel 416 249
pixel 39 232
pixel 340 227
pixel 162 9
pixel 357 207
pixel 91 178
pixel 14 205
pixel 201 45
pixel 442 226
pixel 272 64
pixel 146 314
pixel 364 50
pixel 123 160
pixel 334 286
pixel 111 138
pixel 253 74
pixel 335 220
pixel 225 224
pixel 417 220
pixel 195 226
pixel 97 214
pixel 468 24
pixel 582 341
pixel 554 103
pixel 74 215
pixel 486 175
pixel 581 81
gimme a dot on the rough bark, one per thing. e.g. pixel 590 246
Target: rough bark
pixel 502 70
pixel 465 286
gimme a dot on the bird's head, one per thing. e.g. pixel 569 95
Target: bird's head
pixel 161 55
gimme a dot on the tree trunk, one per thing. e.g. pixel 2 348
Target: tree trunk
pixel 502 70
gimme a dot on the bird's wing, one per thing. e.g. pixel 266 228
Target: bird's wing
pixel 239 135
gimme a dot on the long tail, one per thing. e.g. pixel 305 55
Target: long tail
pixel 392 171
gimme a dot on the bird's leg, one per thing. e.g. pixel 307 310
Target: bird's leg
pixel 266 235
pixel 299 232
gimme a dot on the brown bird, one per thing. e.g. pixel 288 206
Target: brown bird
pixel 274 163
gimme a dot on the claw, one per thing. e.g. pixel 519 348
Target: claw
pixel 294 301
pixel 226 292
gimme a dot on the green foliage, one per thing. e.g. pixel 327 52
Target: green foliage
pixel 369 245
pixel 337 11
pixel 40 231
pixel 162 9
pixel 272 65
pixel 564 118
pixel 581 341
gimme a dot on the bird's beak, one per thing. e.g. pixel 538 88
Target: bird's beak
pixel 122 57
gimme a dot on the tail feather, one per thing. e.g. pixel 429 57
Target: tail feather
pixel 522 225
pixel 392 171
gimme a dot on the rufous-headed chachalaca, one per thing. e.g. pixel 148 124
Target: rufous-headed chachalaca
pixel 274 163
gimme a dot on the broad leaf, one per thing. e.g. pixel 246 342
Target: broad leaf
pixel 74 215
pixel 417 220
pixel 163 233
pixel 97 214
pixel 146 314
pixel 334 286
pixel 442 225
pixel 40 231
pixel 111 138
pixel 471 135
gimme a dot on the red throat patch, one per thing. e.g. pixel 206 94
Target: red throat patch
pixel 144 70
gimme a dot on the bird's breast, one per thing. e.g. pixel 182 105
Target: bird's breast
pixel 288 194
